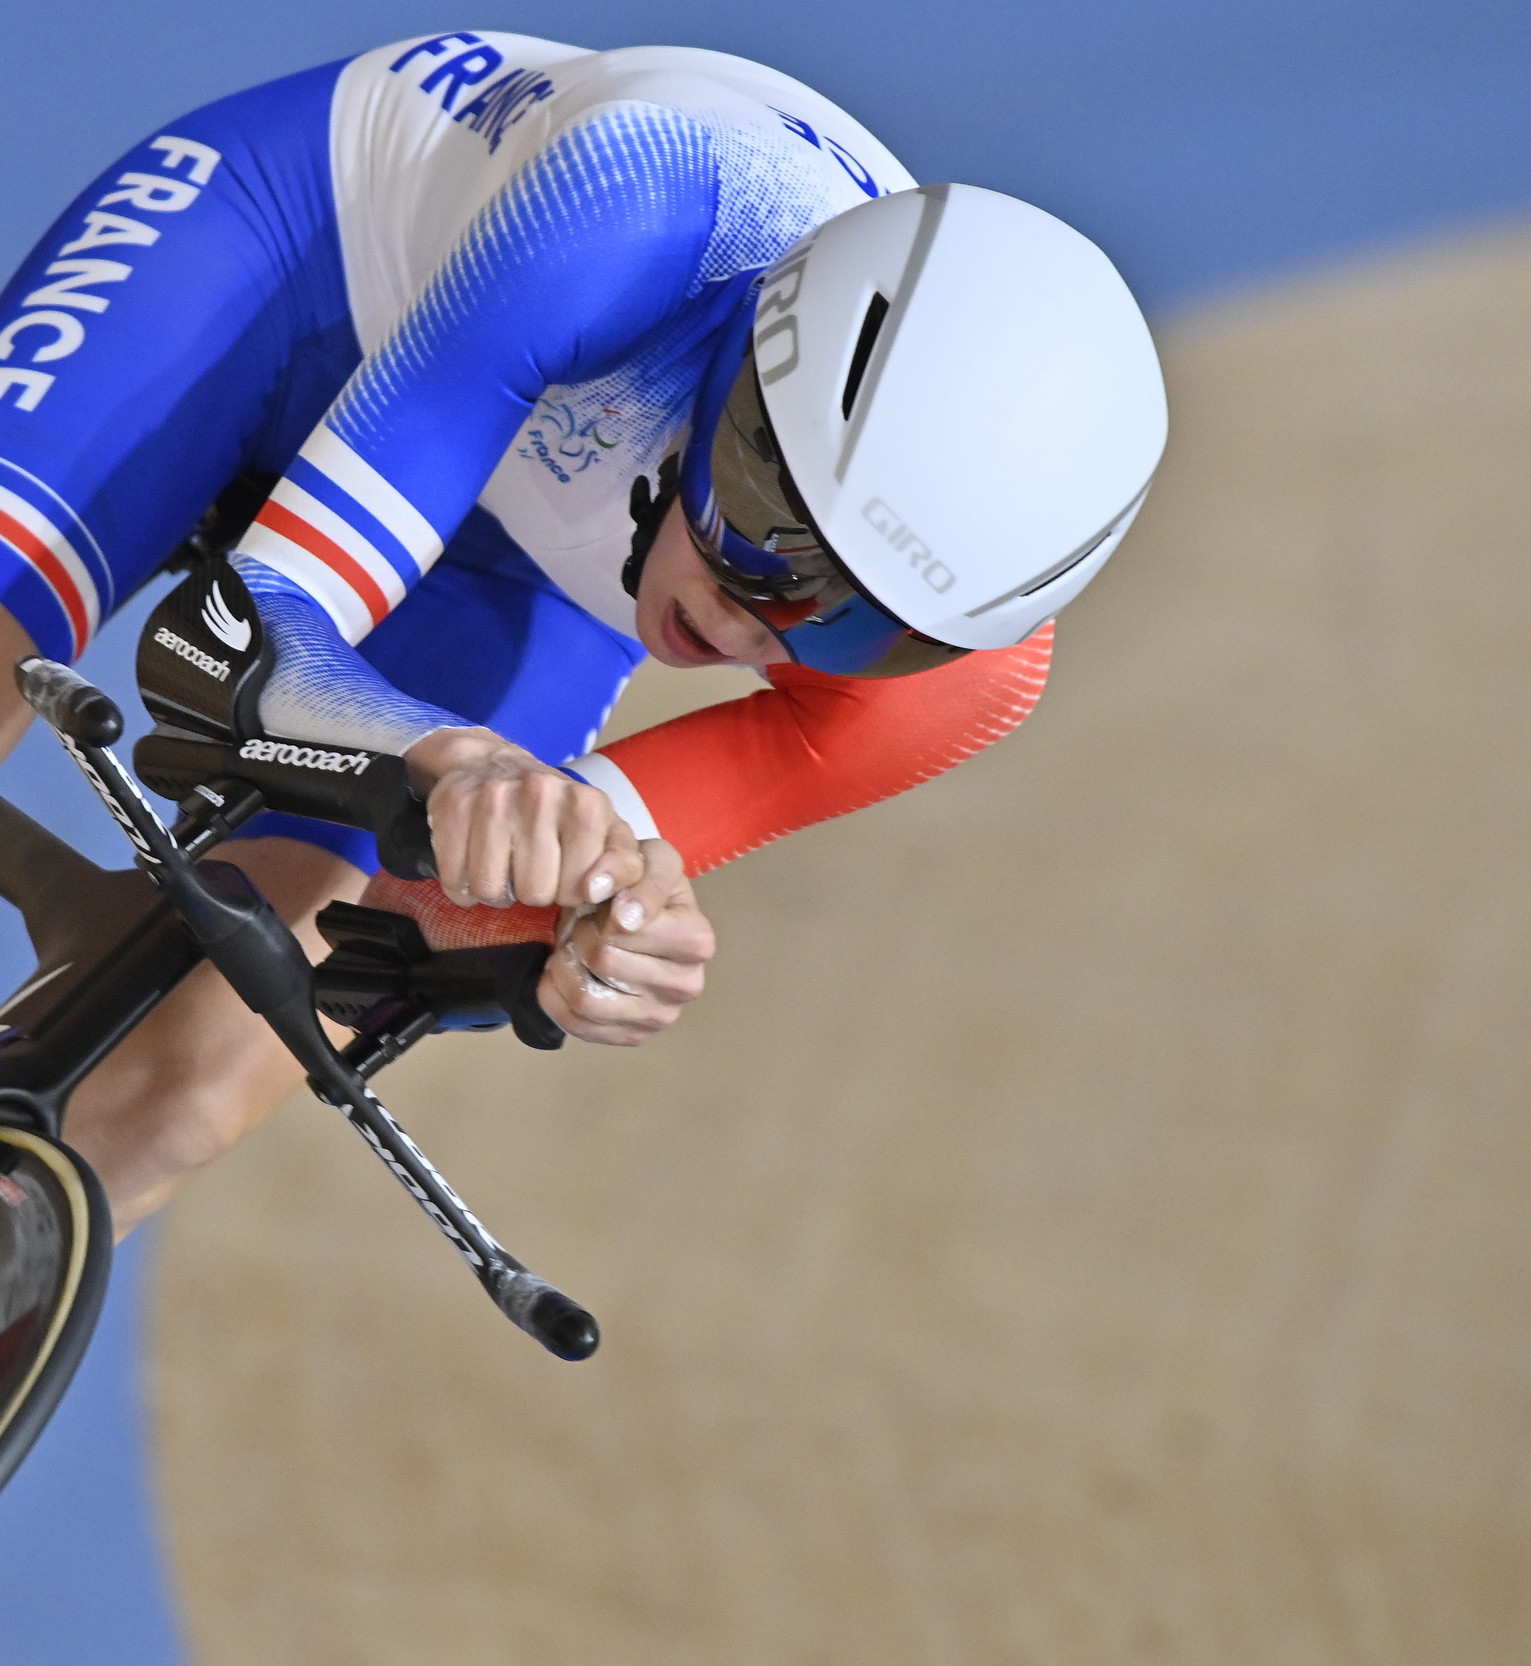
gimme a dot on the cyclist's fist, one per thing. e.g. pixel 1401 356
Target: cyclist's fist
pixel 507 828
pixel 624 971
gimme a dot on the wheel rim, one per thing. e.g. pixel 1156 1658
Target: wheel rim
pixel 45 1238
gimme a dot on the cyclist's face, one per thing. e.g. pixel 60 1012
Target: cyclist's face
pixel 685 620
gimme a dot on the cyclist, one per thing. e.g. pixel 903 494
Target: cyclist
pixel 558 357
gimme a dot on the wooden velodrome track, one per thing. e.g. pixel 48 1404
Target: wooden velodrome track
pixel 1086 1220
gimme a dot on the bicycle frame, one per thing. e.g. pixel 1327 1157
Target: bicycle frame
pixel 59 1026
pixel 112 945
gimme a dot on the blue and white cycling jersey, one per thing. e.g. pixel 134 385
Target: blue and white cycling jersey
pixel 458 293
pixel 562 234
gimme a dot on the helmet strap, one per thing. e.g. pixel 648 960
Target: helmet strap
pixel 648 510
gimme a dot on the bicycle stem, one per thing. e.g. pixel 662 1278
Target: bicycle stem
pixel 257 953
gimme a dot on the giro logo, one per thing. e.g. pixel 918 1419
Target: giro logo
pixel 881 518
pixel 224 623
pixel 776 345
pixel 305 757
pixel 217 669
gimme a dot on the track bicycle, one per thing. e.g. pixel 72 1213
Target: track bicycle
pixel 112 945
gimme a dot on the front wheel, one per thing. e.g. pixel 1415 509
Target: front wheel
pixel 55 1259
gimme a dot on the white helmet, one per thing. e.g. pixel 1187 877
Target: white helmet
pixel 947 413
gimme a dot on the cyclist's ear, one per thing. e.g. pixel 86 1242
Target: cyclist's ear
pixel 203 657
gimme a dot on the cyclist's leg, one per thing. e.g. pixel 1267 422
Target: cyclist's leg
pixel 15 713
pixel 202 1070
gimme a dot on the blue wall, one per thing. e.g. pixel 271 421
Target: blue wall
pixel 1206 142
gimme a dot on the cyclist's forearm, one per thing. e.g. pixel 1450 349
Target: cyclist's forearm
pixel 725 780
pixel 321 689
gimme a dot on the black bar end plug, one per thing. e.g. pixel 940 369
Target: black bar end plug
pixel 65 700
pixel 563 1327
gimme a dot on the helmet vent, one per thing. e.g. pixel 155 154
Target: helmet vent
pixel 877 311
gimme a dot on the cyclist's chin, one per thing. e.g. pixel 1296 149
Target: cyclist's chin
pixel 684 620
pixel 674 638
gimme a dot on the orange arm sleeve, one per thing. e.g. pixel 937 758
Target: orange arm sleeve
pixel 726 780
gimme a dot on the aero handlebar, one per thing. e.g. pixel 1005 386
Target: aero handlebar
pixel 252 947
pixel 357 789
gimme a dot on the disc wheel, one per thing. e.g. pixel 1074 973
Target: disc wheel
pixel 55 1259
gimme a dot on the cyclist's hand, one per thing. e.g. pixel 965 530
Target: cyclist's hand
pixel 625 971
pixel 507 828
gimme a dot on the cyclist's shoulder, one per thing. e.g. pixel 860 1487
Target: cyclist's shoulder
pixel 427 132
pixel 773 136
pixel 780 157
pixel 493 101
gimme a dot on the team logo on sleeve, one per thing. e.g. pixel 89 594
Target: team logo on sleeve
pixel 564 443
pixel 182 168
